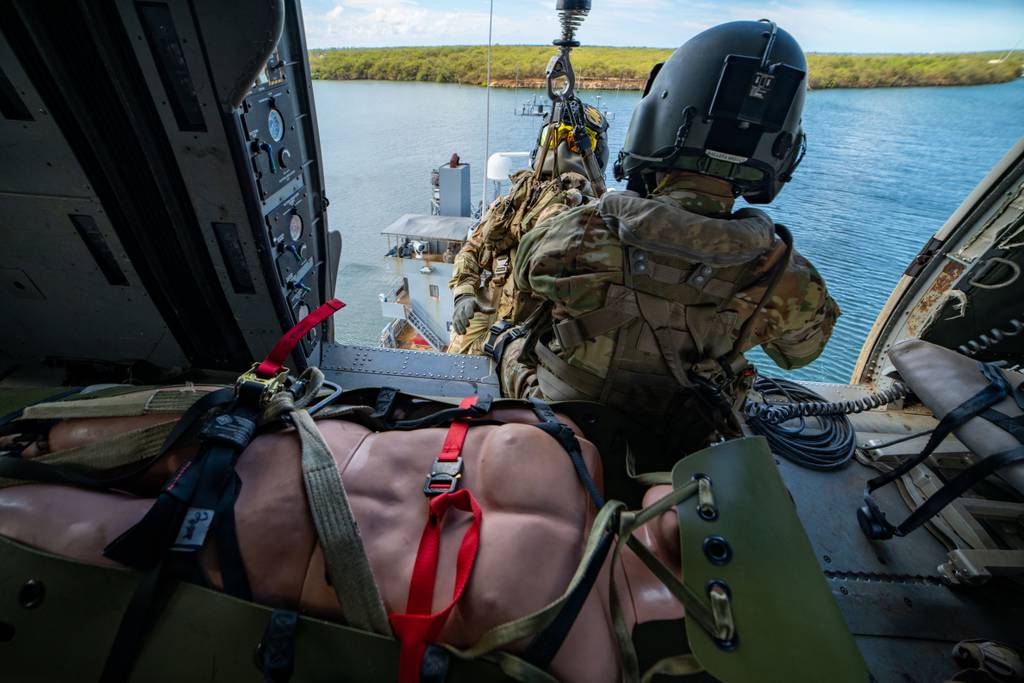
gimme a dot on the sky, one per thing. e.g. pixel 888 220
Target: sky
pixel 819 25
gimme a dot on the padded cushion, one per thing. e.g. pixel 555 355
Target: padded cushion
pixel 943 379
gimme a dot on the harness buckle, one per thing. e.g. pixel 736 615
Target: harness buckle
pixel 443 478
pixel 251 385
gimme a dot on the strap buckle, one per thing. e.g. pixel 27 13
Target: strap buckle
pixel 250 384
pixel 493 332
pixel 443 478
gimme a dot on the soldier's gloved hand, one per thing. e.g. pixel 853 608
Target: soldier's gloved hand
pixel 466 306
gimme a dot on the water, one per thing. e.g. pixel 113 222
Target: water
pixel 884 169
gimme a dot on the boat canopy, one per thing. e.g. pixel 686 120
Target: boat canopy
pixel 424 227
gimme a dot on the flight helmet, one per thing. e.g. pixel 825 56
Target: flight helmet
pixel 562 146
pixel 728 104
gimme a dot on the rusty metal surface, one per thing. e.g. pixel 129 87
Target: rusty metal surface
pixel 925 309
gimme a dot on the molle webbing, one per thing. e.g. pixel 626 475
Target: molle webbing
pixel 680 271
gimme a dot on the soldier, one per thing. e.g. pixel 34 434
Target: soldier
pixel 653 294
pixel 482 282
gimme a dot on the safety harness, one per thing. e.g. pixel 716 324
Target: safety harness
pixel 873 521
pixel 199 499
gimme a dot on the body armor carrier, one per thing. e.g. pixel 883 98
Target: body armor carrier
pixel 677 330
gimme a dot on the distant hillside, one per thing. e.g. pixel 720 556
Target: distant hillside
pixel 626 68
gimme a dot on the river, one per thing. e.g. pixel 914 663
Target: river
pixel 884 169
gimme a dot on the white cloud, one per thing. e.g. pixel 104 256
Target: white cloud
pixel 393 22
pixel 819 25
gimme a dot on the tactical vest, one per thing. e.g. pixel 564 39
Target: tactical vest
pixel 526 204
pixel 672 313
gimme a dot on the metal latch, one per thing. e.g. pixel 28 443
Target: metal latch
pixel 924 257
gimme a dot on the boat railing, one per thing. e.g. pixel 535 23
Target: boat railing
pixel 421 325
pixel 393 290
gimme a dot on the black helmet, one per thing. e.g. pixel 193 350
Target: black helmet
pixel 727 104
pixel 563 148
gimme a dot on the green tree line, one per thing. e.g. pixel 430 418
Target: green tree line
pixel 628 67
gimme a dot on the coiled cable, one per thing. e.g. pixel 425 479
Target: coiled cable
pixel 829 446
pixel 986 340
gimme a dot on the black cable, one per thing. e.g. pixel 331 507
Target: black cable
pixel 832 445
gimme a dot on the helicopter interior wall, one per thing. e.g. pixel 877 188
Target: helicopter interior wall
pixel 137 205
pixel 49 208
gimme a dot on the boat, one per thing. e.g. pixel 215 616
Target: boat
pixel 165 223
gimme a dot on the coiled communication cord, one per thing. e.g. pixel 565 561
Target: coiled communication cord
pixel 986 340
pixel 829 447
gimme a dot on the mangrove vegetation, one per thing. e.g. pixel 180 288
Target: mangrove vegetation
pixel 626 68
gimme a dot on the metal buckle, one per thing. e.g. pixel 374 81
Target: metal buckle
pixel 263 388
pixel 336 391
pixel 443 478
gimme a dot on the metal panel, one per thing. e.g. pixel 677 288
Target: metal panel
pixel 417 372
pixel 891 593
pixel 209 172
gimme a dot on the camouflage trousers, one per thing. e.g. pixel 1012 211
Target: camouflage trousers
pixel 518 380
pixel 473 340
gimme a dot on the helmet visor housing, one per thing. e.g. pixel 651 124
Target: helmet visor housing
pixel 728 103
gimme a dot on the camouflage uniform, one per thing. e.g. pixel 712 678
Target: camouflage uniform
pixel 573 261
pixel 483 267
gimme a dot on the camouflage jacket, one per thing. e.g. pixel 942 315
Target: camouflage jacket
pixel 483 266
pixel 574 259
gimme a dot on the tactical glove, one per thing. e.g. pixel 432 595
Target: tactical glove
pixel 466 306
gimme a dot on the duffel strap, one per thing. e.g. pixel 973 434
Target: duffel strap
pixel 81 466
pixel 348 568
pixel 170 400
pixel 418 626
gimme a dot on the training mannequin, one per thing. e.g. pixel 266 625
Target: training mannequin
pixel 536 517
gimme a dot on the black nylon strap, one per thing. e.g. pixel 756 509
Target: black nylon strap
pixel 956 487
pixel 550 424
pixel 136 623
pixel 386 404
pixel 873 521
pixel 480 408
pixel 971 408
pixel 199 497
pixel 498 350
pixel 30 470
pixel 277 648
pixel 434 667
pixel 546 643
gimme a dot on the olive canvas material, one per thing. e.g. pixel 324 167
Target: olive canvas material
pixel 787 625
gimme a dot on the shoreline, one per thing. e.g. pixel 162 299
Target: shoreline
pixel 606 68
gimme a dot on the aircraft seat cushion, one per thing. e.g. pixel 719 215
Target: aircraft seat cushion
pixel 943 379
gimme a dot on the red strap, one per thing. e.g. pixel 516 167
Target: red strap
pixel 417 627
pixel 278 355
pixel 456 436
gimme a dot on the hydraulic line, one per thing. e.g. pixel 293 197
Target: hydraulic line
pixel 829 446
